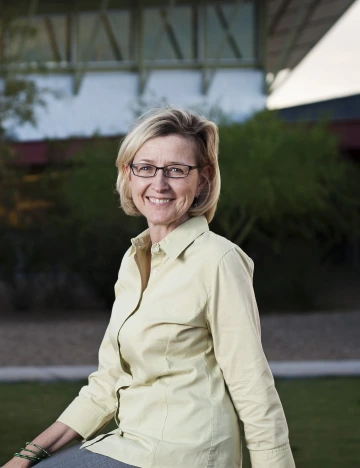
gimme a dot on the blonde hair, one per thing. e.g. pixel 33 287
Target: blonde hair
pixel 173 121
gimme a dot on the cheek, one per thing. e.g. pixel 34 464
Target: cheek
pixel 136 185
pixel 187 190
pixel 191 188
pixel 188 193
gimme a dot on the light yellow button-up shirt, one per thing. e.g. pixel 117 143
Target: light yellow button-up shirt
pixel 181 361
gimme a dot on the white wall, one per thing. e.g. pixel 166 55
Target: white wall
pixel 330 70
pixel 105 102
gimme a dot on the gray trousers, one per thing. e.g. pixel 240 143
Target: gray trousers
pixel 73 457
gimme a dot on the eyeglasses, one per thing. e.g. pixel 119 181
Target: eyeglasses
pixel 174 171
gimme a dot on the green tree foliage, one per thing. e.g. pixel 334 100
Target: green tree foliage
pixel 94 232
pixel 20 97
pixel 281 181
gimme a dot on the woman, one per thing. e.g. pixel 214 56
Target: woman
pixel 181 361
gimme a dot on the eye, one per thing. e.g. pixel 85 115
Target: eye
pixel 176 170
pixel 144 168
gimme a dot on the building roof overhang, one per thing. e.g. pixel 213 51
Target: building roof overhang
pixel 287 29
pixel 294 27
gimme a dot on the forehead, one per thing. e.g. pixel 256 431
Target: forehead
pixel 167 147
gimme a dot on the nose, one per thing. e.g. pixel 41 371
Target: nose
pixel 160 182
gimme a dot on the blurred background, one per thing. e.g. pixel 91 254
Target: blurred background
pixel 282 80
pixel 76 74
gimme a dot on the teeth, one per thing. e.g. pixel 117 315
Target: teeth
pixel 159 201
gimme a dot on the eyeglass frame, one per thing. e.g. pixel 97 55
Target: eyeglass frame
pixel 163 168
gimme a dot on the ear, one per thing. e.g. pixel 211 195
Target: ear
pixel 127 171
pixel 204 176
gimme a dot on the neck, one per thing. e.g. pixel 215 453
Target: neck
pixel 159 231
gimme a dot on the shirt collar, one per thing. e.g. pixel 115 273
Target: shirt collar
pixel 178 239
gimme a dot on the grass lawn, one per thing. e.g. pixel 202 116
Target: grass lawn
pixel 323 417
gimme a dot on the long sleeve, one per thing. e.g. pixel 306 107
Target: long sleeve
pixel 97 402
pixel 234 323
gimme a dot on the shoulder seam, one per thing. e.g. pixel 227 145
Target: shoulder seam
pixel 225 253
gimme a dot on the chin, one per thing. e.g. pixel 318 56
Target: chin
pixel 161 219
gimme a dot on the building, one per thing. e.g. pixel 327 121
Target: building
pixel 343 115
pixel 110 59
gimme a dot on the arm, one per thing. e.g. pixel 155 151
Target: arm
pixel 87 414
pixel 97 401
pixel 52 439
pixel 234 323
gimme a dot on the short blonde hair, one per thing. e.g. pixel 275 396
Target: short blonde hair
pixel 173 121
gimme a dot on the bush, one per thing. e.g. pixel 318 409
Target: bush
pixel 282 181
pixel 288 198
pixel 95 232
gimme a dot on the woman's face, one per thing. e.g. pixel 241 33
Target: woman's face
pixel 166 201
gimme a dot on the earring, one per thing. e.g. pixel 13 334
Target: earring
pixel 195 202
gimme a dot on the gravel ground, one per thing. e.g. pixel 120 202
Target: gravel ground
pixel 73 338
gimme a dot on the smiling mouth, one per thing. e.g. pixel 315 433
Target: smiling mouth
pixel 159 201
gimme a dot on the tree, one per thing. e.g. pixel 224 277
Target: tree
pixel 281 181
pixel 19 99
pixel 19 95
pixel 92 230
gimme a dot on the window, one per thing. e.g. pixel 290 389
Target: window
pixel 197 32
pixel 104 37
pixel 230 30
pixel 167 33
pixel 41 39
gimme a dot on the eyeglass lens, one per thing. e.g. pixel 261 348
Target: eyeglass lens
pixel 148 170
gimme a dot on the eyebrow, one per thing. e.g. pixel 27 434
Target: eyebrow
pixel 151 161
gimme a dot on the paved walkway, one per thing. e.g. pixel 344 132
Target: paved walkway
pixel 72 339
pixel 280 369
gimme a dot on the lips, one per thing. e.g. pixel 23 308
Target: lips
pixel 159 201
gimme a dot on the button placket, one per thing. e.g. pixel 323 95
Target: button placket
pixel 155 265
pixel 156 259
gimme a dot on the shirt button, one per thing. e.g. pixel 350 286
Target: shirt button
pixel 154 270
pixel 156 248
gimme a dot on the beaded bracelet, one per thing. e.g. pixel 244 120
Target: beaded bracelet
pixel 42 455
pixel 33 451
pixel 34 459
pixel 47 454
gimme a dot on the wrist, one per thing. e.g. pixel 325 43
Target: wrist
pixel 22 463
pixel 31 454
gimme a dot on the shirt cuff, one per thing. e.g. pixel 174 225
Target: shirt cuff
pixel 280 457
pixel 86 420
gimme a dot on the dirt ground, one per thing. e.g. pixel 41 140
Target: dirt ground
pixel 73 338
